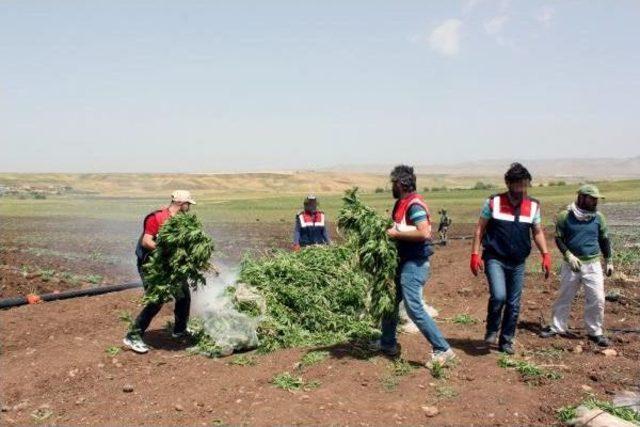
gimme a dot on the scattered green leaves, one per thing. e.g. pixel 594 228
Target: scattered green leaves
pixel 47 274
pixel 398 369
pixel 464 319
pixel 113 350
pixel 314 357
pixel 96 279
pixel 446 392
pixel 389 382
pixel 287 382
pixel 530 372
pixel 401 367
pixel 546 353
pixel 125 317
pixel 566 413
pixel 438 370
pixel 243 360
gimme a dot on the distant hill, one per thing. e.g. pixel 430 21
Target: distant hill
pixel 570 169
pixel 368 178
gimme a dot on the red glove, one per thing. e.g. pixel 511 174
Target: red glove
pixel 546 264
pixel 296 248
pixel 476 264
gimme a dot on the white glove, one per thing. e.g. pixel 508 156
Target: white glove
pixel 573 261
pixel 609 268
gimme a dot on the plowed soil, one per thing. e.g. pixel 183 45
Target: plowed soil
pixel 55 368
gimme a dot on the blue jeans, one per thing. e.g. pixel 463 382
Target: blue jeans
pixel 410 280
pixel 505 285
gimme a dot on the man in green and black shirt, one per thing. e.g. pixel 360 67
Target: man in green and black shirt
pixel 582 236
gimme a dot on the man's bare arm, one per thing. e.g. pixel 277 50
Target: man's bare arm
pixel 477 235
pixel 539 239
pixel 148 242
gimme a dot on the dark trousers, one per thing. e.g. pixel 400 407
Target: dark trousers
pixel 181 310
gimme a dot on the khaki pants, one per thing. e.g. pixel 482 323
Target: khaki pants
pixel 590 275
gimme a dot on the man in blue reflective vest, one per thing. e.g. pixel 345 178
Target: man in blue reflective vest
pixel 507 223
pixel 311 226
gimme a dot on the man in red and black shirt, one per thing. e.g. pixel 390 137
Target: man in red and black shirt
pixel 181 202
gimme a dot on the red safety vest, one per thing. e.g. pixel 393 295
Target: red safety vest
pixel 402 207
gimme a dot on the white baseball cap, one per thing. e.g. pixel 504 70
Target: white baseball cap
pixel 182 196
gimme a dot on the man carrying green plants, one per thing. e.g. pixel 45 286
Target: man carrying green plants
pixel 412 233
pixel 507 223
pixel 181 202
pixel 581 236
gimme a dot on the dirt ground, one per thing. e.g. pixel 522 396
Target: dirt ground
pixel 55 369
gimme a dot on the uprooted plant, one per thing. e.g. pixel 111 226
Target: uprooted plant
pixel 181 257
pixel 376 253
pixel 313 297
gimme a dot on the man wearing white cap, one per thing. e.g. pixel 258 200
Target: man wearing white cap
pixel 181 202
pixel 581 236
pixel 311 227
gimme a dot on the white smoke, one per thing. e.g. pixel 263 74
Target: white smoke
pixel 230 330
pixel 212 297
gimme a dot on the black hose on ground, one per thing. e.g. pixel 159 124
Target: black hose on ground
pixel 73 293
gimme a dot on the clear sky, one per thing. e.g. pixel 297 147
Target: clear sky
pixel 207 86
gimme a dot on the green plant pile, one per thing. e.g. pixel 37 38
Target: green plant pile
pixel 316 296
pixel 324 295
pixel 377 255
pixel 181 257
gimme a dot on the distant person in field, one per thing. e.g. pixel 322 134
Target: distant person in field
pixel 181 202
pixel 507 223
pixel 412 233
pixel 443 226
pixel 311 225
pixel 582 237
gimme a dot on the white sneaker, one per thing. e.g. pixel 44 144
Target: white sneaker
pixel 136 344
pixel 441 358
pixel 378 347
